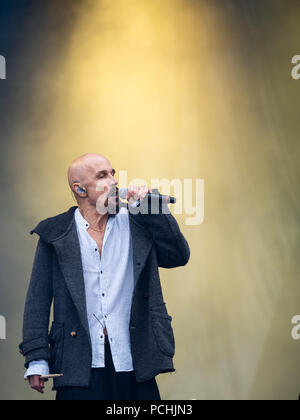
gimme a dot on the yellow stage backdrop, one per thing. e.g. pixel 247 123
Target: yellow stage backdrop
pixel 185 89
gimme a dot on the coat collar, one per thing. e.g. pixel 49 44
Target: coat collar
pixel 56 227
pixel 61 232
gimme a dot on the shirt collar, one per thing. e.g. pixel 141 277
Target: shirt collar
pixel 81 220
pixel 84 223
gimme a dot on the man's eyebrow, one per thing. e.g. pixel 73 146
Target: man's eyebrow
pixel 104 171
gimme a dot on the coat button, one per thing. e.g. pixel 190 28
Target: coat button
pixel 73 334
pixel 146 295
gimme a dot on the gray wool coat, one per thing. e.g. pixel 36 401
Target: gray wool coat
pixel 57 277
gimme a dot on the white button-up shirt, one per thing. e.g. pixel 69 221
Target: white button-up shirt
pixel 109 283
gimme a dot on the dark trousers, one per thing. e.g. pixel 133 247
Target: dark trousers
pixel 107 384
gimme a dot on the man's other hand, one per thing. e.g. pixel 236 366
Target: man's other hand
pixel 37 383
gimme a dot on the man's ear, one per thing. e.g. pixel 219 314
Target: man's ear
pixel 79 189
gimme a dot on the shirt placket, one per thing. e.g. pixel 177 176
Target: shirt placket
pixel 102 284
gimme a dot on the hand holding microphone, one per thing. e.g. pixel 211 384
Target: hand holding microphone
pixel 135 195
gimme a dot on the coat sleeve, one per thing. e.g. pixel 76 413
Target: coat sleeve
pixel 37 307
pixel 171 246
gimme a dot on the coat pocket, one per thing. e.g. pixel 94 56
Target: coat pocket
pixel 163 332
pixel 56 341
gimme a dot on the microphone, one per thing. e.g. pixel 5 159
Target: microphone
pixel 123 192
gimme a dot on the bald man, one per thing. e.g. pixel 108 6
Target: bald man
pixel 98 264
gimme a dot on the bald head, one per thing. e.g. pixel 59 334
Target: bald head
pixel 94 174
pixel 82 168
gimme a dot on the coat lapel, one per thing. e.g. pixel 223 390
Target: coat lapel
pixel 69 257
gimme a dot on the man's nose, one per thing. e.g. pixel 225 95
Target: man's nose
pixel 115 182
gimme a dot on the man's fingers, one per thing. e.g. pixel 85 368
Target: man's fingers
pixel 144 191
pixel 137 192
pixel 37 383
pixel 34 380
pixel 132 194
pixel 40 387
pixel 131 191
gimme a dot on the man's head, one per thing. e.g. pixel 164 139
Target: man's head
pixel 92 180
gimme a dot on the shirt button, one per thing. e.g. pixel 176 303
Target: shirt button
pixel 96 249
pixel 102 294
pixel 101 272
pixel 105 316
